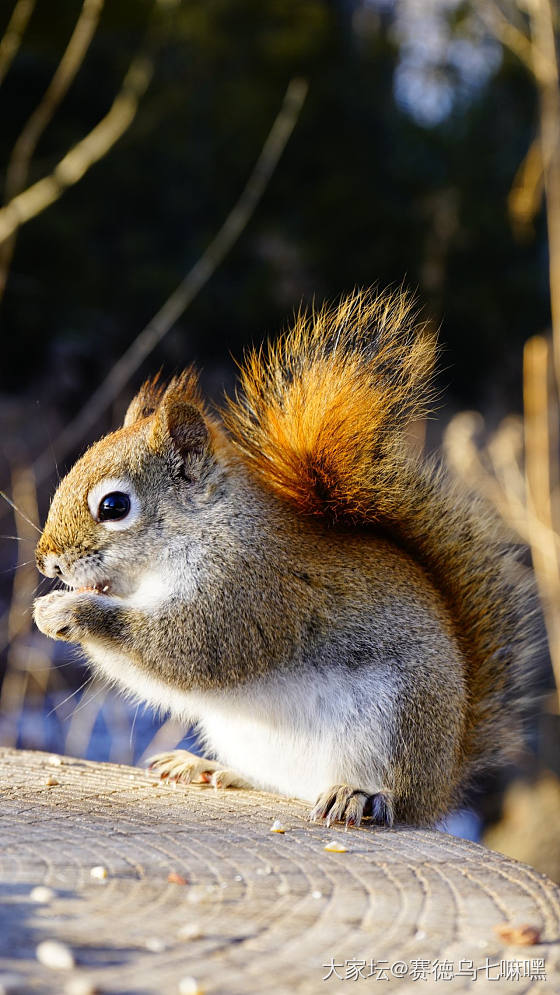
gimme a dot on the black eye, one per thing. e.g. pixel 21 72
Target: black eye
pixel 113 507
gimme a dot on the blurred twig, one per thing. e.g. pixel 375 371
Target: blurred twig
pixel 523 498
pixel 494 471
pixel 538 51
pixel 529 499
pixel 539 491
pixel 11 40
pixel 546 73
pixel 24 148
pixel 525 196
pixel 89 150
pixel 16 678
pixel 503 28
pixel 190 286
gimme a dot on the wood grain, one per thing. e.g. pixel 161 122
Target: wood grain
pixel 266 911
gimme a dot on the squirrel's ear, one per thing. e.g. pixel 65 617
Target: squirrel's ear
pixel 145 402
pixel 180 426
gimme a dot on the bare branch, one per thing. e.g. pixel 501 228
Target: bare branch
pixel 539 54
pixel 506 32
pixel 189 287
pixel 16 679
pixel 525 196
pixel 22 154
pixel 502 485
pixel 523 499
pixel 542 28
pixel 536 394
pixel 88 151
pixel 11 40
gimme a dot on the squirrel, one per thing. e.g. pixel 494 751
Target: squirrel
pixel 343 621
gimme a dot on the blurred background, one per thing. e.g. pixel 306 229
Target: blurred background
pixel 176 177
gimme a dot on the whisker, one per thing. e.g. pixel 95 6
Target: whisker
pixel 27 611
pixel 10 570
pixel 25 518
pixel 61 666
pixel 133 724
pixel 51 667
pixel 53 581
pixel 18 538
pixel 59 704
pixel 40 584
pixel 83 703
pixel 35 591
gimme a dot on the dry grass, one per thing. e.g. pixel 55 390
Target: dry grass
pixel 518 468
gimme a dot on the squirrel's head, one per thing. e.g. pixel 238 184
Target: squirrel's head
pixel 110 516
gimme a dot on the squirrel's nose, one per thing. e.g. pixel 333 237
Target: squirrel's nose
pixel 48 564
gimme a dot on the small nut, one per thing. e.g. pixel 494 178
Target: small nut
pixel 522 936
pixel 174 878
pixel 190 931
pixel 54 954
pixel 334 847
pixel 41 894
pixel 198 893
pixel 80 986
pixel 190 986
pixel 155 945
pixel 51 781
pixel 99 873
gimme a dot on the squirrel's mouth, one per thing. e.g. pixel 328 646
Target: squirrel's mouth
pixel 103 587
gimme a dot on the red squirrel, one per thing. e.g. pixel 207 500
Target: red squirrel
pixel 342 621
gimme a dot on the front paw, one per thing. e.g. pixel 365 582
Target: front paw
pixel 181 765
pixel 56 614
pixel 343 803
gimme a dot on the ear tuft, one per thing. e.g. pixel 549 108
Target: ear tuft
pixel 185 427
pixel 180 422
pixel 145 402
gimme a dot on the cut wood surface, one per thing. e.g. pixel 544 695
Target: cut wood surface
pixel 197 886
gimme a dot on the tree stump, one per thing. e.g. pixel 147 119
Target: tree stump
pixel 198 886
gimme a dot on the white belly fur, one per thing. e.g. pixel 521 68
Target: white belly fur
pixel 297 734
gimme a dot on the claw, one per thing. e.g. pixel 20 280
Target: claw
pixel 344 803
pixel 180 765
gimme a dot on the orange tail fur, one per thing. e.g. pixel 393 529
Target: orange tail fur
pixel 319 403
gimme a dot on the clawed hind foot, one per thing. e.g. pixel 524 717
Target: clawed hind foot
pixel 343 803
pixel 180 765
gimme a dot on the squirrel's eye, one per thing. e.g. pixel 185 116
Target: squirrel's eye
pixel 113 507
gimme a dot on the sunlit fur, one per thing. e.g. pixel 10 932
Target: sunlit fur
pixel 320 406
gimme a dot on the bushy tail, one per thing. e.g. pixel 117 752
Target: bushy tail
pixel 321 419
